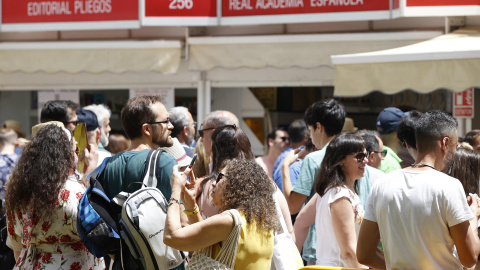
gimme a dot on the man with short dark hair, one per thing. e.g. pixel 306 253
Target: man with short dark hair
pixel 421 213
pixel 277 141
pixel 324 120
pixel 298 136
pixel 183 128
pixel 473 138
pixel 146 123
pixel 406 132
pixel 62 111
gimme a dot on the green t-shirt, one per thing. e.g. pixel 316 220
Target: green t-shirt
pixel 391 162
pixel 126 168
pixel 304 186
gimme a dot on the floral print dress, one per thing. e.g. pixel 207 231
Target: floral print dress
pixel 54 243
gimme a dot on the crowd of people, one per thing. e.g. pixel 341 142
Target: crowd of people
pixel 403 196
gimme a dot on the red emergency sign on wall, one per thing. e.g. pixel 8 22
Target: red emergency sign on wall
pixel 237 11
pixel 28 15
pixel 463 103
pixel 180 12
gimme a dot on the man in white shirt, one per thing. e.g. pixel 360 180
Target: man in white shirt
pixel 420 213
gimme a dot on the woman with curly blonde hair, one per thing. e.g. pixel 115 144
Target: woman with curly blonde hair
pixel 242 185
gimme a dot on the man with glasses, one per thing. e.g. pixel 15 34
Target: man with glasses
pixel 277 142
pixel 62 111
pixel 147 124
pixel 374 147
pixel 183 128
pixel 212 121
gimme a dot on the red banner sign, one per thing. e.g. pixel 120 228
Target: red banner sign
pixel 39 11
pixel 276 7
pixel 180 12
pixel 180 8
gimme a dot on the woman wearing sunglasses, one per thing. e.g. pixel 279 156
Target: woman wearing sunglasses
pixel 242 185
pixel 337 208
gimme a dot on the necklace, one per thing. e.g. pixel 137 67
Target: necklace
pixel 422 165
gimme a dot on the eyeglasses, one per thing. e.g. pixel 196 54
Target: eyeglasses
pixel 219 177
pixel 284 139
pixel 200 132
pixel 205 129
pixel 384 152
pixel 159 122
pixel 360 156
pixel 75 123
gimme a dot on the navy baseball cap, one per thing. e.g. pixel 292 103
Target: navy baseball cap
pixel 89 118
pixel 389 119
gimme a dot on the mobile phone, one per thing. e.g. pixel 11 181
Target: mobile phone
pixel 193 161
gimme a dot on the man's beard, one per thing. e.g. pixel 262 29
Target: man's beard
pixel 448 161
pixel 103 138
pixel 158 140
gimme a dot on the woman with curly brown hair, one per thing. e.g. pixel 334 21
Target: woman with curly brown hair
pixel 241 185
pixel 42 201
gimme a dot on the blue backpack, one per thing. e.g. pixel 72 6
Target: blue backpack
pixel 97 222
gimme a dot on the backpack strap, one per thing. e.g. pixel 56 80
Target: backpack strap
pixel 150 176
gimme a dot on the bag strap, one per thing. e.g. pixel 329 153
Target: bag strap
pixel 228 252
pixel 150 176
pixel 280 215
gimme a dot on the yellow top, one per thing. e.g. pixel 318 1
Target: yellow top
pixel 255 249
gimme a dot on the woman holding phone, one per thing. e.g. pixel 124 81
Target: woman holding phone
pixel 241 185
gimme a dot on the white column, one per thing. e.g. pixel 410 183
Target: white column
pixel 461 127
pixel 468 125
pixel 200 102
pixel 208 97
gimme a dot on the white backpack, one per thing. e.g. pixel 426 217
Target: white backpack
pixel 142 222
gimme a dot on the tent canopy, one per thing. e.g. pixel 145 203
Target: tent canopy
pixel 92 57
pixel 449 61
pixel 286 51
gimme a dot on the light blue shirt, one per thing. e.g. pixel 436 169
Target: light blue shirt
pixel 304 186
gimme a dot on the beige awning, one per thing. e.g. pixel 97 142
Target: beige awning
pixel 304 51
pixel 450 61
pixel 92 57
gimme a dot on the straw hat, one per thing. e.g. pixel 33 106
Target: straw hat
pixel 36 128
pixel 16 126
pixel 349 125
pixel 177 151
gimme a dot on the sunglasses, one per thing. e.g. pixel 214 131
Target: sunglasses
pixel 384 152
pixel 201 131
pixel 360 156
pixel 284 139
pixel 159 122
pixel 219 177
pixel 75 123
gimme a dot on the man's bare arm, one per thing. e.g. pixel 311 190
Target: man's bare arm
pixel 367 251
pixel 295 200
